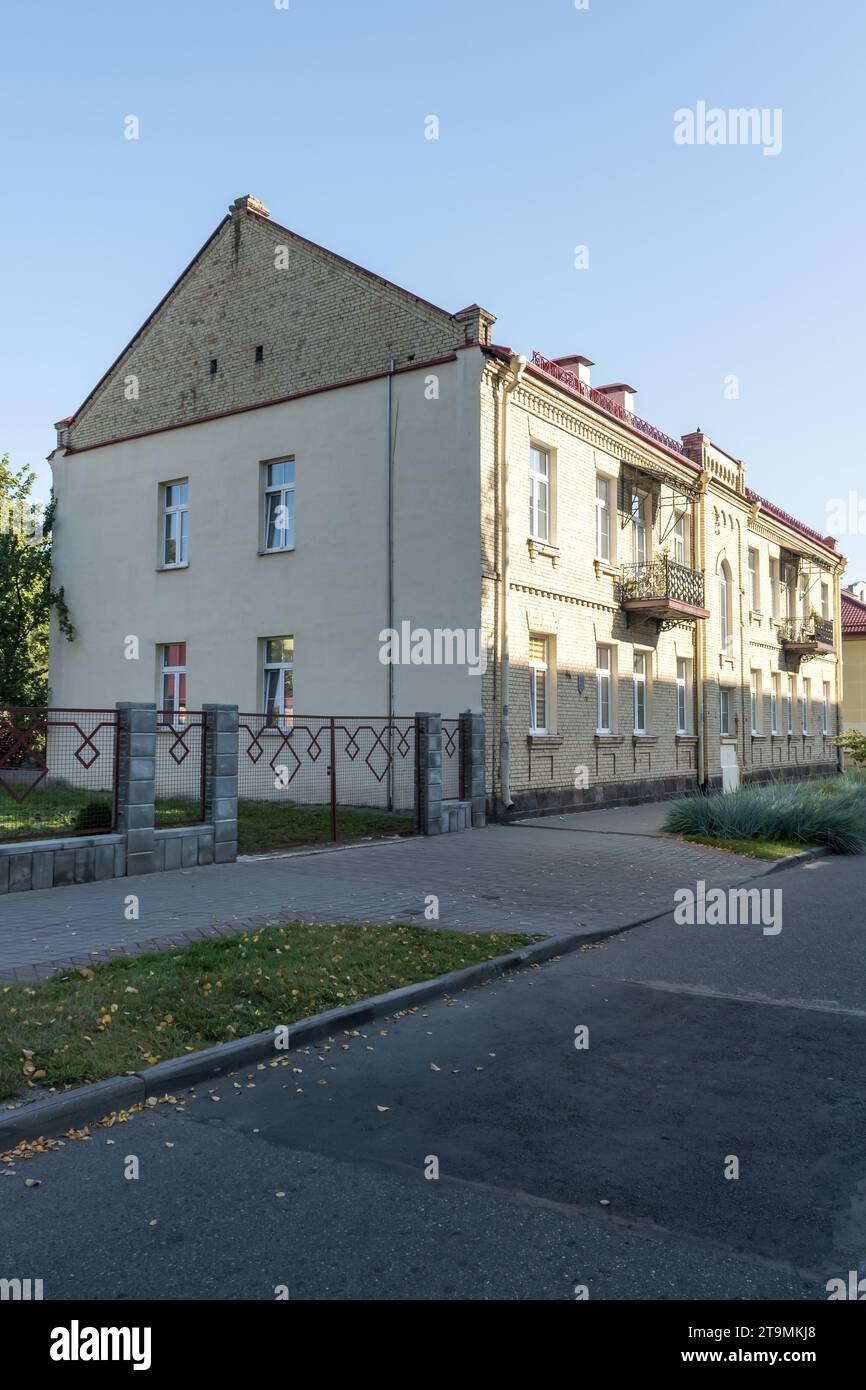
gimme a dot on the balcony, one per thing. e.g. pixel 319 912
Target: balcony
pixel 663 590
pixel 807 636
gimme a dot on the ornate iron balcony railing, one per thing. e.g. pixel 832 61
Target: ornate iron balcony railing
pixel 662 579
pixel 812 629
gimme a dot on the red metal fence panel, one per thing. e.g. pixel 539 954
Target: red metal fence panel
pixel 333 776
pixel 58 772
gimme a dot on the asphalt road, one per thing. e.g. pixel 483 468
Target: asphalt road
pixel 705 1043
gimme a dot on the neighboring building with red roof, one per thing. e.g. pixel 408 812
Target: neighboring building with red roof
pixel 294 455
pixel 854 657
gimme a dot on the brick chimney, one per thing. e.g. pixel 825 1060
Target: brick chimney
pixel 476 323
pixel 578 366
pixel 621 394
pixel 248 204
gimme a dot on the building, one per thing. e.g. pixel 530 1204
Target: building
pixel 854 657
pixel 302 487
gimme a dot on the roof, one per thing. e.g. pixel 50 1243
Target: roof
pixel 828 542
pixel 853 615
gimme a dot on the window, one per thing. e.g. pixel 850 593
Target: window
pixel 805 704
pixel 684 682
pixel 681 539
pixel 603 676
pixel 539 494
pixel 172 681
pixel 825 708
pixel 278 685
pixel 774 704
pixel 602 518
pixel 789 701
pixel 774 587
pixel 756 702
pixel 789 580
pixel 175 524
pixel 804 595
pixel 260 353
pixel 825 599
pixel 213 366
pixel 640 696
pixel 754 582
pixel 538 684
pixel 725 711
pixel 725 606
pixel 280 505
pixel 638 526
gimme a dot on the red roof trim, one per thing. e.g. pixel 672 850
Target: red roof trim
pixel 826 541
pixel 264 405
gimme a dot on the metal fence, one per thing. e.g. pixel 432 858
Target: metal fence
pixel 58 772
pixel 181 749
pixel 333 775
pixel 452 762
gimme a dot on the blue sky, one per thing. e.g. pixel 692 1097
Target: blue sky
pixel 556 130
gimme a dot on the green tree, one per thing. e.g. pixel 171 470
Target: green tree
pixel 27 595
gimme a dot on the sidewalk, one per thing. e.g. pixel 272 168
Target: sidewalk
pixel 502 879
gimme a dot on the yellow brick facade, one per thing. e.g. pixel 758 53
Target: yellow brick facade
pixel 562 592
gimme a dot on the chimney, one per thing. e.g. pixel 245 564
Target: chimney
pixel 578 366
pixel 248 204
pixel 476 323
pixel 621 395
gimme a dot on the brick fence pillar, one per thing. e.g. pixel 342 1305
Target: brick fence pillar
pixel 472 759
pixel 221 779
pixel 136 785
pixel 428 732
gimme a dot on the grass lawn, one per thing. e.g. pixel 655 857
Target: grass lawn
pixel 131 1013
pixel 757 849
pixel 262 825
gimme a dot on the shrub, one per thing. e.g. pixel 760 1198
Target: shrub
pixel 94 817
pixel 830 813
pixel 854 745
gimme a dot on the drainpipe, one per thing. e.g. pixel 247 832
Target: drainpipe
pixel 389 396
pixel 510 380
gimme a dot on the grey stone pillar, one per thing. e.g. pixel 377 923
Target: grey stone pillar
pixel 428 732
pixel 472 756
pixel 221 779
pixel 136 773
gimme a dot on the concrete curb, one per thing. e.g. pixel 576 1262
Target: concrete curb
pixel 52 1116
pixel 804 857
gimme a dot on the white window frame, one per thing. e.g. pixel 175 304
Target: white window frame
pixel 683 693
pixel 539 665
pixel 825 708
pixel 774 586
pixel 754 580
pixel 825 600
pixel 280 491
pixel 285 720
pixel 725 711
pixel 171 512
pixel 172 707
pixel 603 681
pixel 774 704
pixel 789 699
pixel 681 539
pixel 725 607
pixel 603 526
pixel 539 487
pixel 755 701
pixel 805 703
pixel 640 692
pixel 639 538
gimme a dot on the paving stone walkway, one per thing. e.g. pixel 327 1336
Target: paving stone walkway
pixel 503 879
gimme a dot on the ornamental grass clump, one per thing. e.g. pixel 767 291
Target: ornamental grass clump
pixel 832 814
